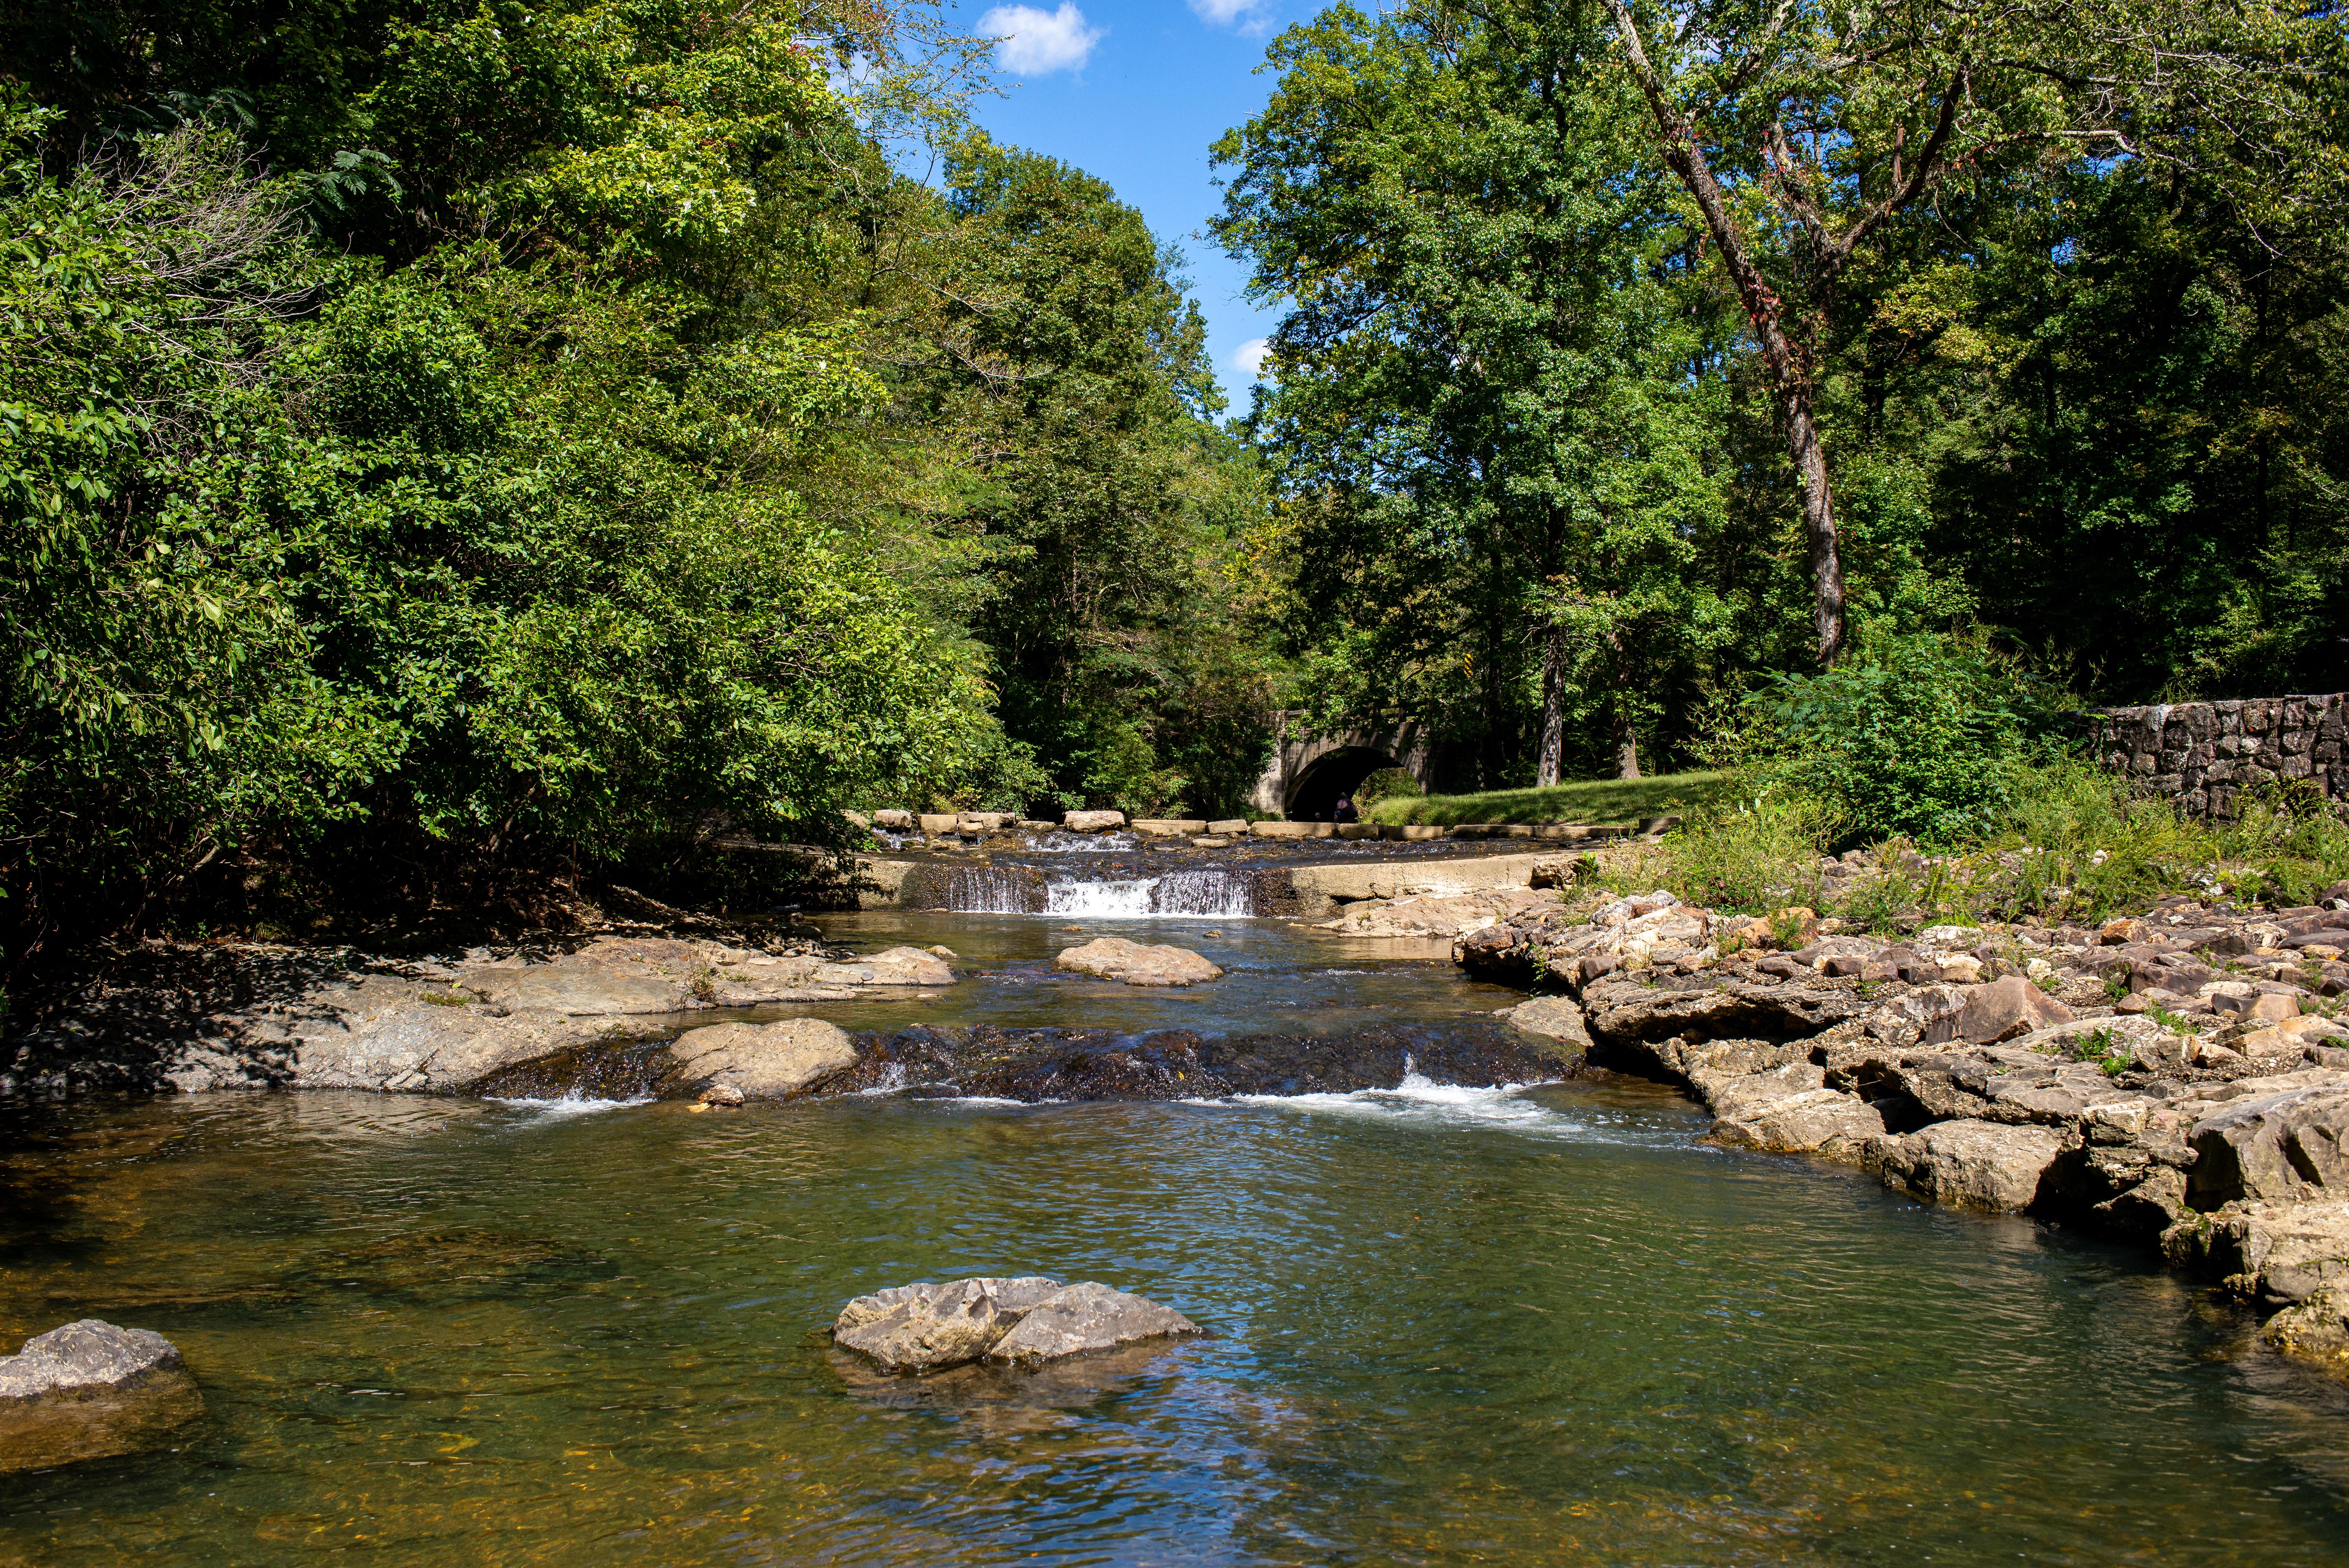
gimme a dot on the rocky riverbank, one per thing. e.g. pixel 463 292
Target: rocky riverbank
pixel 260 1016
pixel 2176 1079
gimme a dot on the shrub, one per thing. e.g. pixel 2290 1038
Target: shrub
pixel 1749 857
pixel 1925 736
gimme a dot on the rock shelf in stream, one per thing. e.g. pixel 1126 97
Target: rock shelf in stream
pixel 1137 963
pixel 2176 1079
pixel 1026 1323
pixel 1034 1066
pixel 281 1018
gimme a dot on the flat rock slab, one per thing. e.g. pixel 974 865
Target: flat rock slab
pixel 893 966
pixel 1551 1018
pixel 1115 958
pixel 1023 1322
pixel 764 1061
pixel 1436 914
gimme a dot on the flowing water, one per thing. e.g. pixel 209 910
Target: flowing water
pixel 1542 1324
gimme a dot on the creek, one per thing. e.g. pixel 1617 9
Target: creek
pixel 1543 1324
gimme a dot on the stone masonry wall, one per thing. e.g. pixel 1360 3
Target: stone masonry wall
pixel 2201 755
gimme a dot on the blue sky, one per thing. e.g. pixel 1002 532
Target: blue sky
pixel 1134 91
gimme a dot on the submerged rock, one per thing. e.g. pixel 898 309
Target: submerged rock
pixel 1037 1065
pixel 91 1390
pixel 1024 1322
pixel 2315 1329
pixel 1115 958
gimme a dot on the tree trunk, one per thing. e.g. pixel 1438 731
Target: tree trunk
pixel 1789 361
pixel 1626 745
pixel 1553 741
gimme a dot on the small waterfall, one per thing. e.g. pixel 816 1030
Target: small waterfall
pixel 975 890
pixel 1212 895
pixel 1021 887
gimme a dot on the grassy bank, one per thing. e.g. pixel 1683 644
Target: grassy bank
pixel 1587 800
pixel 2073 844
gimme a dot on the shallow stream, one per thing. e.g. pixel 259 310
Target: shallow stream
pixel 1533 1326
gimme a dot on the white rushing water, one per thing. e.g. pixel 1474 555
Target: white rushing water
pixel 568 1105
pixel 1206 894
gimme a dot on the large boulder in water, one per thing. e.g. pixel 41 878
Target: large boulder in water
pixel 1025 1320
pixel 89 1390
pixel 1115 958
pixel 764 1061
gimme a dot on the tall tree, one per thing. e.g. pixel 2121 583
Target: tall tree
pixel 1802 130
pixel 1482 372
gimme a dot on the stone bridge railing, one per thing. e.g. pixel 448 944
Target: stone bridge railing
pixel 2202 755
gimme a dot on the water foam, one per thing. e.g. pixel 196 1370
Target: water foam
pixel 1192 894
pixel 569 1105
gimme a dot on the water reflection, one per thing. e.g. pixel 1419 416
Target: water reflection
pixel 1546 1327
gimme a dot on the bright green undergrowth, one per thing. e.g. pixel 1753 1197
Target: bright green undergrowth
pixel 2068 842
pixel 1587 800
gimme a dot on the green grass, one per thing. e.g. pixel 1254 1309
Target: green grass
pixel 1590 800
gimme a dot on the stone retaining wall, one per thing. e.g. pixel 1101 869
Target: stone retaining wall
pixel 2202 755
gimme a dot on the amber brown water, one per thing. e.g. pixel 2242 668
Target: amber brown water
pixel 1451 1327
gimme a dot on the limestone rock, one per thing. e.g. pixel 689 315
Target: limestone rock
pixel 2286 1145
pixel 1816 1121
pixel 2315 1329
pixel 1025 1320
pixel 1706 1008
pixel 1552 1017
pixel 2281 1251
pixel 892 966
pixel 1975 1164
pixel 1437 914
pixel 1999 1010
pixel 91 1391
pixel 83 1356
pixel 763 1061
pixel 928 1326
pixel 1082 1317
pixel 1115 958
pixel 1093 821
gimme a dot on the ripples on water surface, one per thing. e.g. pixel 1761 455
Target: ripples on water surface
pixel 1452 1326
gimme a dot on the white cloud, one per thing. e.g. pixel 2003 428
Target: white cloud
pixel 1248 358
pixel 1036 43
pixel 1228 12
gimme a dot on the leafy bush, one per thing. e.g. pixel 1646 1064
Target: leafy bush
pixel 1924 737
pixel 1751 857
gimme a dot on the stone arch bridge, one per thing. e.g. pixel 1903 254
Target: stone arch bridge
pixel 1309 772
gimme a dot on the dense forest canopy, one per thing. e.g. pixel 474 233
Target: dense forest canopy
pixel 444 437
pixel 1634 352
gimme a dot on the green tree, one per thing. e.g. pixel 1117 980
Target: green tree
pixel 1808 134
pixel 1482 386
pixel 1111 499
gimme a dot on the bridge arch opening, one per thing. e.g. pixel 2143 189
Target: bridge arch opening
pixel 1340 771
